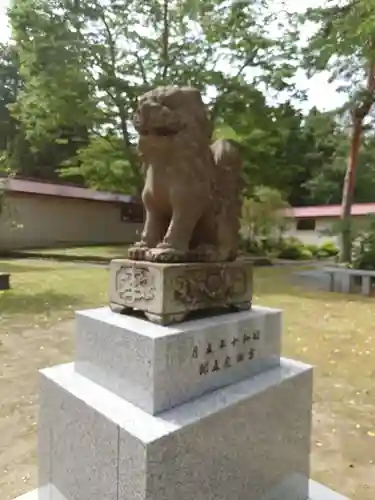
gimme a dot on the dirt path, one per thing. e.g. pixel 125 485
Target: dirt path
pixel 342 458
pixel 23 353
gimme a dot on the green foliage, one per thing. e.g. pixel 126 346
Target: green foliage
pixel 74 70
pixel 10 85
pixel 344 44
pixel 56 86
pixel 7 211
pixel 103 165
pixel 293 249
pixel 262 218
pixel 324 251
pixel 314 249
pixel 5 174
pixel 326 186
pixel 16 151
pixel 328 249
pixel 85 63
pixel 363 248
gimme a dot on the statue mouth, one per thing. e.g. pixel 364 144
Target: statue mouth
pixel 159 132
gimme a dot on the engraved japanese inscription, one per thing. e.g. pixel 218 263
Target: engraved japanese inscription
pixel 209 285
pixel 134 284
pixel 226 353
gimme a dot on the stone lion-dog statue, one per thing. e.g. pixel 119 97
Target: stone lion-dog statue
pixel 192 191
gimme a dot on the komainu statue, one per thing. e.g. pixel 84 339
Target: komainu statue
pixel 192 187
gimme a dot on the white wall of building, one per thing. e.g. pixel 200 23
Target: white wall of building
pixel 323 225
pixel 48 221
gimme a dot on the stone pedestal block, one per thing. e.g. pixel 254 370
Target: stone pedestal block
pixel 157 367
pixel 203 410
pixel 249 441
pixel 168 293
pixel 316 492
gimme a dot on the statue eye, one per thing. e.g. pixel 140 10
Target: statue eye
pixel 164 102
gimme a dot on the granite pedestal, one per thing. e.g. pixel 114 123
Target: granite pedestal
pixel 316 492
pixel 206 409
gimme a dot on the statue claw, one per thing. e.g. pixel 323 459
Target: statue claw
pixel 138 251
pixel 166 255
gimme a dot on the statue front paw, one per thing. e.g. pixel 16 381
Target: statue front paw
pixel 138 250
pixel 166 254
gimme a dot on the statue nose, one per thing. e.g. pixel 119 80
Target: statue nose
pixel 149 107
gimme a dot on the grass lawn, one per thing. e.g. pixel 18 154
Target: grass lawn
pixel 105 251
pixel 335 332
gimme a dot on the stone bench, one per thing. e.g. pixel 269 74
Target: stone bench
pixel 342 279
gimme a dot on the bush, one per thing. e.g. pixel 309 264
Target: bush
pixel 262 220
pixel 329 249
pixel 289 248
pixel 294 249
pixel 324 251
pixel 363 250
pixel 251 247
pixel 314 249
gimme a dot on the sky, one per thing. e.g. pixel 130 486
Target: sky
pixel 320 93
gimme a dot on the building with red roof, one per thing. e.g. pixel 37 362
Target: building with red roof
pixel 42 214
pixel 317 224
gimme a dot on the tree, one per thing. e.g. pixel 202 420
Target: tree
pixel 15 149
pixel 282 148
pixel 324 136
pixel 262 216
pixel 326 185
pixel 10 85
pixel 345 45
pixel 85 62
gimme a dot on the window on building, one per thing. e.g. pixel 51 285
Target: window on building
pixel 132 212
pixel 305 224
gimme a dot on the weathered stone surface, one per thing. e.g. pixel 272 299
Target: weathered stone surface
pixel 167 293
pixel 192 189
pixel 350 280
pixel 157 367
pixel 249 441
pixel 78 445
pixel 316 492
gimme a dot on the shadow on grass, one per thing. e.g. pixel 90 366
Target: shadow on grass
pixel 302 292
pixel 43 302
pixel 9 267
pixel 92 253
pixel 284 284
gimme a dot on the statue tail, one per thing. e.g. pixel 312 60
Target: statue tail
pixel 229 185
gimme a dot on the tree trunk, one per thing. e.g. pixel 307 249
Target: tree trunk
pixel 348 191
pixel 359 114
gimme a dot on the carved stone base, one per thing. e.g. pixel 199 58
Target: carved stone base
pixel 170 293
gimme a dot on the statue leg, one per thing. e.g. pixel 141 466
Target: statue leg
pixel 175 245
pixel 152 234
pixel 153 230
pixel 204 242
